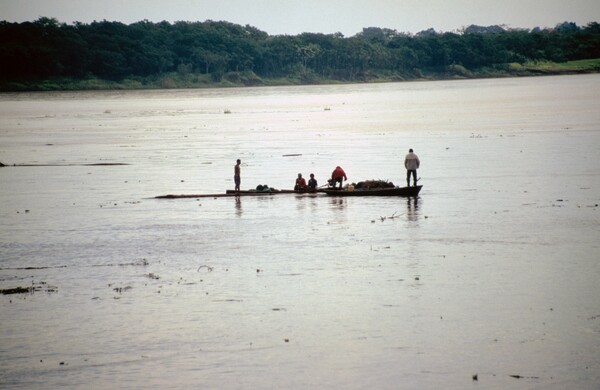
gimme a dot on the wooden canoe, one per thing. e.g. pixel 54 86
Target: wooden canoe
pixel 396 191
pixel 232 193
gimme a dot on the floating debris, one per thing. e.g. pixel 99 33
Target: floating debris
pixel 138 263
pixel 36 287
pixel 390 217
pixel 122 289
pixel 524 377
pixel 30 268
pixel 17 290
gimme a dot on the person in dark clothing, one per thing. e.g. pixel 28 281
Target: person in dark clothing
pixel 237 175
pixel 312 182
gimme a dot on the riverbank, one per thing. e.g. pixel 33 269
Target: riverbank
pixel 245 79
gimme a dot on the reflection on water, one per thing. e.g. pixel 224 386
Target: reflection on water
pixel 412 208
pixel 338 202
pixel 238 206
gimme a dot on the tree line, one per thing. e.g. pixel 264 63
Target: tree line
pixel 46 49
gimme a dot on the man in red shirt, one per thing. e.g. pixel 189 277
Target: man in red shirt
pixel 300 183
pixel 338 176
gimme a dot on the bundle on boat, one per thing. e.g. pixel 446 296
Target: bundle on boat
pixel 373 185
pixel 264 188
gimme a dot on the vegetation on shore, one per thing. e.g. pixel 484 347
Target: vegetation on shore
pixel 178 81
pixel 47 55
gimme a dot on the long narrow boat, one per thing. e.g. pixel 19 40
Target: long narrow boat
pixel 396 191
pixel 271 192
pixel 233 193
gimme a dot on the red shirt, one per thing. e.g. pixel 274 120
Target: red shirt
pixel 300 182
pixel 338 173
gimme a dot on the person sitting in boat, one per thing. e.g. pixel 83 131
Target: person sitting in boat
pixel 338 176
pixel 300 183
pixel 312 182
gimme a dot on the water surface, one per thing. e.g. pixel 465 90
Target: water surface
pixel 493 271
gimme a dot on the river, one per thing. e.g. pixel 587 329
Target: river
pixel 490 278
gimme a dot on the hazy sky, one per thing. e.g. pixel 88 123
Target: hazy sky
pixel 325 16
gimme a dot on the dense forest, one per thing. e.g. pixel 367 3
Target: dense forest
pixel 46 54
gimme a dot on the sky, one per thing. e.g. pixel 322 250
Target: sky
pixel 292 17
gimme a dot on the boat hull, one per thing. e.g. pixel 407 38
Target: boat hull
pixel 397 191
pixel 233 193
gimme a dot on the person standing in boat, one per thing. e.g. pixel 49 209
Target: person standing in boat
pixel 300 183
pixel 312 182
pixel 411 162
pixel 338 176
pixel 237 175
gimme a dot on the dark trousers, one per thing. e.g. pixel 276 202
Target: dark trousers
pixel 414 175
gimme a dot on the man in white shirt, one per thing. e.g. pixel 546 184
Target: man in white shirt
pixel 411 162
